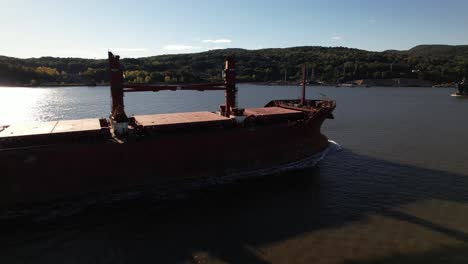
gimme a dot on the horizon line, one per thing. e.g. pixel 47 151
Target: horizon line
pixel 247 49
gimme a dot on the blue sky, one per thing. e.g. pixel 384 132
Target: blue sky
pixel 85 28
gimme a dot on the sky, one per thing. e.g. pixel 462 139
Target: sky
pixel 139 28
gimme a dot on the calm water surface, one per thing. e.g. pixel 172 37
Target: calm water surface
pixel 397 193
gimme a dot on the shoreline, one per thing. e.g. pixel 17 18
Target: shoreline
pixel 338 85
pixel 53 85
pixel 344 85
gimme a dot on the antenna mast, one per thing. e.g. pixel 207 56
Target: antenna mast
pixel 304 77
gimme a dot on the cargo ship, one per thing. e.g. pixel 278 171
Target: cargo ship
pixel 68 159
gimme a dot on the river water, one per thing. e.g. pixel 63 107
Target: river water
pixel 396 193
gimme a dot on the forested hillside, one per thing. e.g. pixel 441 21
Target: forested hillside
pixel 437 63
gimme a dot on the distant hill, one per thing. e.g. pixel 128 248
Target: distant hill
pixel 439 51
pixel 436 63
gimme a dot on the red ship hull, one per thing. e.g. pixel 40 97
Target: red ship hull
pixel 60 170
pixel 59 160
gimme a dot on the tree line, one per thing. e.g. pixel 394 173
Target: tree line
pixel 436 63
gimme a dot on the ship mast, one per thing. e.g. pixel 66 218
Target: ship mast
pixel 304 80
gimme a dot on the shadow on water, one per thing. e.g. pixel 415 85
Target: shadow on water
pixel 445 255
pixel 228 221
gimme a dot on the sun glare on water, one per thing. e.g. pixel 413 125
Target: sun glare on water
pixel 20 104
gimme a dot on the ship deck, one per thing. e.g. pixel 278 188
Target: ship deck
pixel 272 111
pixel 274 114
pixel 92 127
pixel 81 126
pixel 176 120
